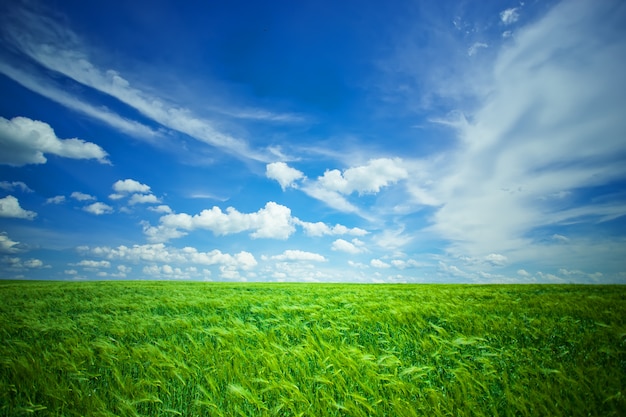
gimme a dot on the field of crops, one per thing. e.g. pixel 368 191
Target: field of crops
pixel 209 349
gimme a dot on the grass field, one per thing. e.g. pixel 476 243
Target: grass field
pixel 209 349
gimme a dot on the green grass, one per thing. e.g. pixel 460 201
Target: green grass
pixel 208 349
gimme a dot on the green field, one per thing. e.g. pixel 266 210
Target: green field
pixel 210 349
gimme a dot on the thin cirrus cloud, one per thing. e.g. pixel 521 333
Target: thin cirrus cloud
pixel 15 185
pixel 28 78
pixel 59 49
pixel 533 138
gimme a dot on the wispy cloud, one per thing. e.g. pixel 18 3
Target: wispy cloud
pixel 549 124
pixel 15 185
pixel 59 49
pixel 7 245
pixel 25 76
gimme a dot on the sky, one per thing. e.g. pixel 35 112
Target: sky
pixel 313 141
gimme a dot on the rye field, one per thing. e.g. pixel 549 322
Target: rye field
pixel 216 349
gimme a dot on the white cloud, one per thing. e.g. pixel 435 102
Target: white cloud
pixel 161 209
pixel 377 263
pixel 167 255
pixel 331 198
pixel 124 270
pixel 496 259
pixel 16 263
pixel 129 186
pixel 283 173
pixel 560 238
pixel 523 273
pixel 33 263
pixel 87 263
pixel 334 186
pixel 273 221
pixel 453 270
pixel 402 264
pixel 322 229
pixel 11 186
pixel 59 49
pixel 10 207
pixel 298 255
pixel 533 139
pixel 161 233
pixel 25 141
pixel 472 50
pixel 143 199
pixel 354 247
pixel 509 16
pixel 45 87
pixel 365 179
pixel 98 208
pixel 7 245
pixel 56 199
pixel 77 195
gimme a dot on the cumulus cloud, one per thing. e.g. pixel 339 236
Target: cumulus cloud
pixel 377 263
pixel 88 263
pixel 161 209
pixel 24 141
pixel 33 263
pixel 98 208
pixel 322 229
pixel 365 179
pixel 298 255
pixel 77 195
pixel 274 221
pixel 335 186
pixel 496 259
pixel 143 199
pixel 10 207
pixel 16 263
pixel 283 173
pixel 130 186
pixel 159 253
pixel 354 247
pixel 402 264
pixel 169 272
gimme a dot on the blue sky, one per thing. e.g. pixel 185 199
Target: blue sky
pixel 314 141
